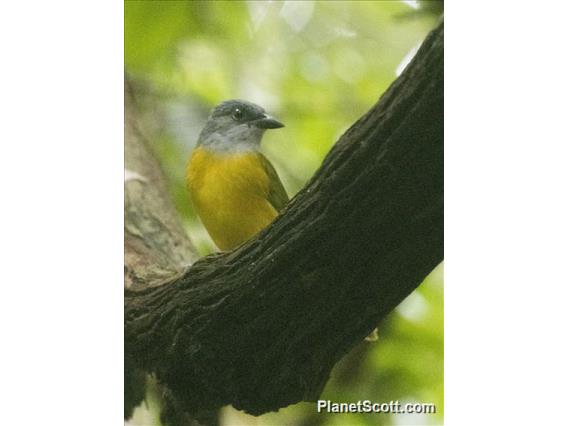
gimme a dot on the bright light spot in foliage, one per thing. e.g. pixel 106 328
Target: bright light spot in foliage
pixel 297 13
pixel 414 307
pixel 345 32
pixel 258 11
pixel 406 60
pixel 412 3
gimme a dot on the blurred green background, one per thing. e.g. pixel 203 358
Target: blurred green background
pixel 316 66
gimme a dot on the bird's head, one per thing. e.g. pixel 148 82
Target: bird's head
pixel 236 125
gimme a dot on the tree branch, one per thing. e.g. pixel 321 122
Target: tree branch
pixel 155 244
pixel 156 249
pixel 262 326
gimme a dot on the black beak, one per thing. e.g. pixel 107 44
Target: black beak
pixel 267 122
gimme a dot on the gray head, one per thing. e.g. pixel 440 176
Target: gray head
pixel 236 125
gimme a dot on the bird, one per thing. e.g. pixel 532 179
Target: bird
pixel 235 190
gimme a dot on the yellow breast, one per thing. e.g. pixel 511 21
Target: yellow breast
pixel 230 194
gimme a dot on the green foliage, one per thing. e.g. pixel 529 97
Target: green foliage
pixel 317 66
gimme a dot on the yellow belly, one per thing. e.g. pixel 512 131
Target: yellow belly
pixel 230 195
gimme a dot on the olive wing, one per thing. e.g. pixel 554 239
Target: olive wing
pixel 277 194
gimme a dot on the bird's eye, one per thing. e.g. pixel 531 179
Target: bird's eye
pixel 237 114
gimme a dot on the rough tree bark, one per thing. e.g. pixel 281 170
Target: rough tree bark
pixel 156 248
pixel 262 326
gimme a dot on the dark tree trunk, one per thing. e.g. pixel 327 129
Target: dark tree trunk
pixel 262 326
